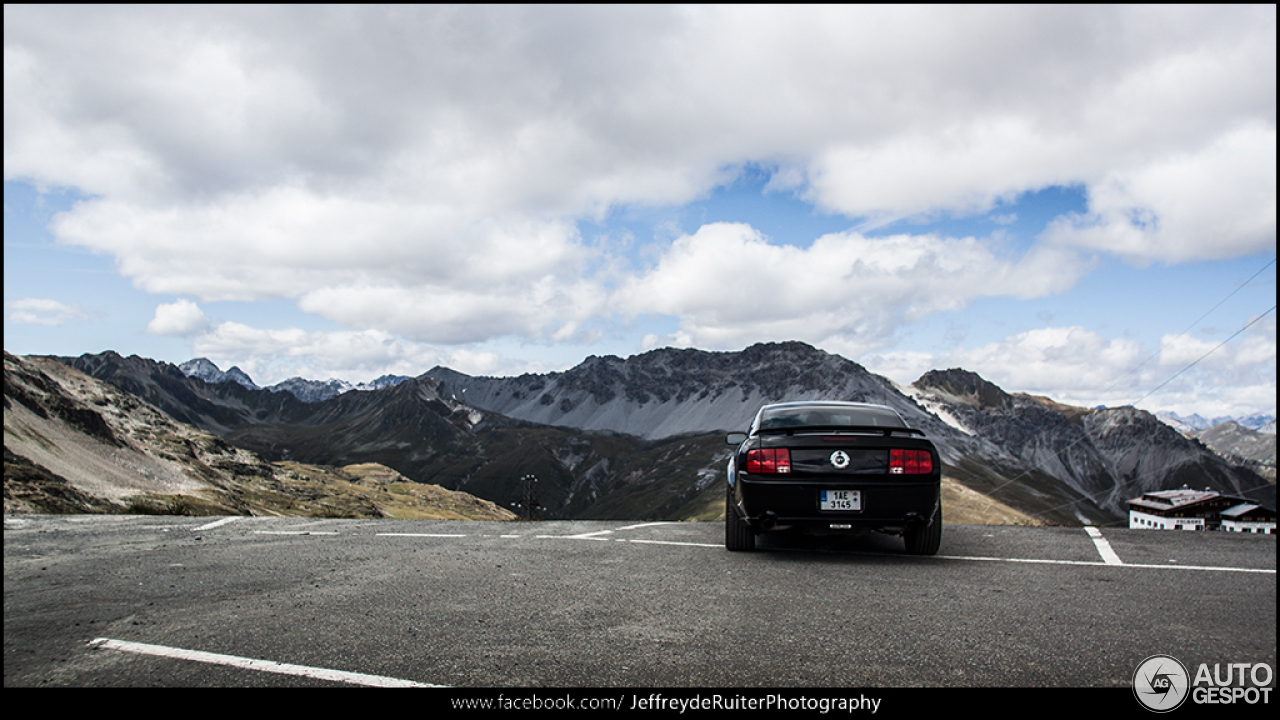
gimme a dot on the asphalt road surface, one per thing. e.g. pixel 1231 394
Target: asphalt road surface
pixel 106 601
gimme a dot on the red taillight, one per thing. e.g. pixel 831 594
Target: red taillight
pixel 769 461
pixel 910 462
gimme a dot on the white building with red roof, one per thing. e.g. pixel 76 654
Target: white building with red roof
pixel 1206 509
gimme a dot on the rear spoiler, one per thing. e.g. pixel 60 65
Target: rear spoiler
pixel 841 430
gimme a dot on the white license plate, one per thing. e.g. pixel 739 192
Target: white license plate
pixel 840 500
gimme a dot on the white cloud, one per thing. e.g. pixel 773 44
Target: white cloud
pixel 1082 367
pixel 1253 353
pixel 1209 377
pixel 322 152
pixel 729 285
pixel 545 307
pixel 901 366
pixel 43 311
pixel 286 241
pixel 427 273
pixel 417 174
pixel 1218 202
pixel 182 318
pixel 1078 363
pixel 272 355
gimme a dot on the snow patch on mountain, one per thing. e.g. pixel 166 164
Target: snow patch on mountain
pixel 938 408
pixel 205 370
pixel 310 391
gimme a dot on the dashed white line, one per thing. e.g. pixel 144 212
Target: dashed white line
pixel 352 678
pixel 293 532
pixel 215 523
pixel 1109 556
pixel 434 535
pixel 672 542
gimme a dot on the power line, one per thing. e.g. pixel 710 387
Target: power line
pixel 1197 360
pixel 1149 394
pixel 1170 341
pixel 1026 473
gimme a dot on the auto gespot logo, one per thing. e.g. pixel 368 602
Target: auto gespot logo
pixel 1162 684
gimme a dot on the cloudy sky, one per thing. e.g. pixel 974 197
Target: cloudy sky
pixel 1078 202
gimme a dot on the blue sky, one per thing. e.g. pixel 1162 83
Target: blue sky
pixel 1051 197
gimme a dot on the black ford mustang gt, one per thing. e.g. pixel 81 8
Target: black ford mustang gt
pixel 833 467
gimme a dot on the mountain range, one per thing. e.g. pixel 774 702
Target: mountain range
pixel 318 390
pixel 642 437
pixel 1194 423
pixel 1242 440
pixel 73 444
pixel 301 388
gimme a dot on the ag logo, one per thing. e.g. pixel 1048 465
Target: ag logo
pixel 1160 683
pixel 840 459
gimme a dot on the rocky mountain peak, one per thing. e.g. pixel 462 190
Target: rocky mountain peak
pixel 673 391
pixel 1235 441
pixel 206 370
pixel 790 350
pixel 311 390
pixel 964 387
pixel 235 374
pixel 200 367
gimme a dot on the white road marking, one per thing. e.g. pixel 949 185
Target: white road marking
pixel 672 542
pixel 293 532
pixel 1088 562
pixel 270 666
pixel 435 535
pixel 586 534
pixel 1109 556
pixel 327 521
pixel 592 535
pixel 1202 567
pixel 216 523
pixel 648 524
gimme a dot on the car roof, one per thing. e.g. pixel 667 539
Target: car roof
pixel 827 413
pixel 827 403
pixel 836 402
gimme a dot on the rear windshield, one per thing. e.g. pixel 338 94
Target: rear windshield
pixel 815 416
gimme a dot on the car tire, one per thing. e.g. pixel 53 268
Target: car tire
pixel 738 535
pixel 926 540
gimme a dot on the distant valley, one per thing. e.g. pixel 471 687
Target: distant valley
pixel 642 437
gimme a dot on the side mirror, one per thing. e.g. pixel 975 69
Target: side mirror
pixel 735 439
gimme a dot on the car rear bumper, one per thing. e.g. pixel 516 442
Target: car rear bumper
pixel 893 504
